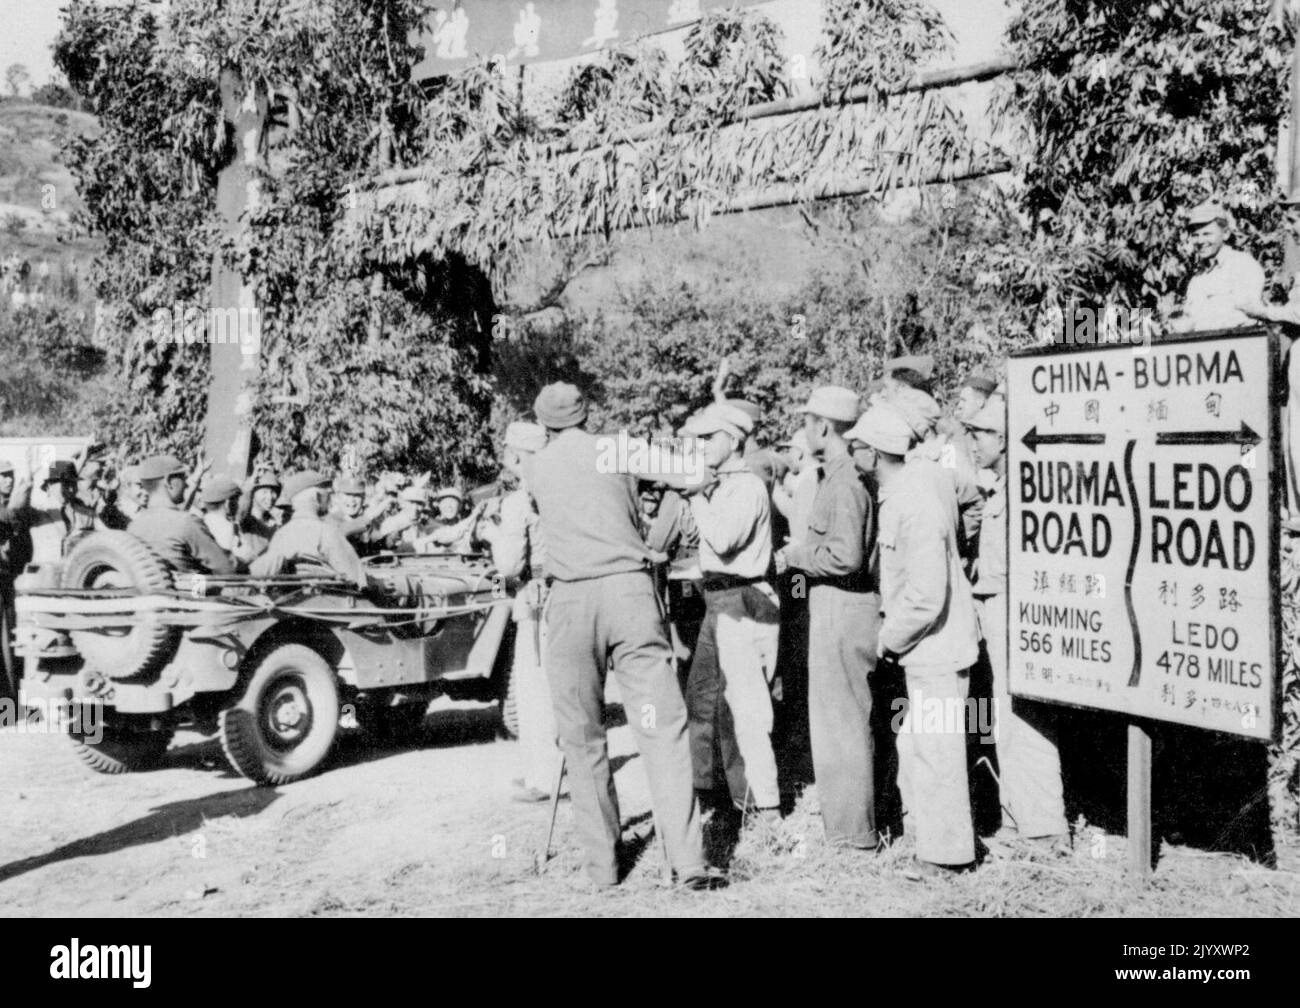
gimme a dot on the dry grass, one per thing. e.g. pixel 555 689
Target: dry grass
pixel 802 876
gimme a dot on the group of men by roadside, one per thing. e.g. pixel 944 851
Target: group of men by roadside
pixel 873 539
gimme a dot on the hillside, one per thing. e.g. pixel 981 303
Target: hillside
pixel 38 201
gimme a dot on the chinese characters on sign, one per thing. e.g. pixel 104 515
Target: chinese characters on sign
pixel 523 31
pixel 1169 504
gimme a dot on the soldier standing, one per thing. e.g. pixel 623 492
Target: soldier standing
pixel 1028 761
pixel 603 608
pixel 733 514
pixel 928 627
pixel 520 560
pixel 54 530
pixel 1226 276
pixel 843 611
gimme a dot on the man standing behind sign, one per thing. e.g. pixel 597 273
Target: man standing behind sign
pixel 1227 276
pixel 928 626
pixel 1029 765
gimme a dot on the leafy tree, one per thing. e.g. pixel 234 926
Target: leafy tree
pixel 45 363
pixel 17 78
pixel 884 286
pixel 1125 114
pixel 387 367
pixel 56 96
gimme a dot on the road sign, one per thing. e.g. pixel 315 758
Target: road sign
pixel 1143 542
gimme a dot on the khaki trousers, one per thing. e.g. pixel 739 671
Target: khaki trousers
pixel 932 764
pixel 590 624
pixel 536 715
pixel 841 657
pixel 743 624
pixel 1029 765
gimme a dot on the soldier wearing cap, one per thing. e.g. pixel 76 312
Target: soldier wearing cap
pixel 256 514
pixel 732 512
pixel 358 523
pixel 972 395
pixel 1029 764
pixel 1226 278
pixel 928 626
pixel 843 608
pixel 514 536
pixel 415 537
pixel 181 540
pixel 450 529
pixel 603 608
pixel 909 372
pixel 101 497
pixel 307 538
pixel 218 500
pixel 132 498
pixel 53 530
pixel 951 457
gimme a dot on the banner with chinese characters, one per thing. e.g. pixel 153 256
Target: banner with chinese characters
pixel 1142 548
pixel 537 30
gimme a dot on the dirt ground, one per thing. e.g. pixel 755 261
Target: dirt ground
pixel 431 830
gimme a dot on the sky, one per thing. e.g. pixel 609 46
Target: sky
pixel 27 27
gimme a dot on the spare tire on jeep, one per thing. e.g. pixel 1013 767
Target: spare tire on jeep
pixel 120 560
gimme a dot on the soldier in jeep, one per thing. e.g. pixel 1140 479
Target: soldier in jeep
pixel 181 540
pixel 307 537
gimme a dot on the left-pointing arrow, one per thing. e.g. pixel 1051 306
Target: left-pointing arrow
pixel 1033 439
pixel 1242 436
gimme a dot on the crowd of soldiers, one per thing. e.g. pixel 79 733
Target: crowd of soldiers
pixel 744 608
pixel 211 525
pixel 790 607
pixel 868 547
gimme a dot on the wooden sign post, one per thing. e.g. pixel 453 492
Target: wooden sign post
pixel 1143 484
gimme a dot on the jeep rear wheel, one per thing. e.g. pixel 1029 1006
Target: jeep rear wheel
pixel 285 723
pixel 106 560
pixel 117 750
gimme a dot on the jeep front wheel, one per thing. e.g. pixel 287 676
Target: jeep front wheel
pixel 284 724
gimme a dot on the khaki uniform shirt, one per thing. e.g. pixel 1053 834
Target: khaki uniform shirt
pixel 929 614
pixel 841 530
pixel 181 540
pixel 734 519
pixel 1212 295
pixel 991 572
pixel 313 541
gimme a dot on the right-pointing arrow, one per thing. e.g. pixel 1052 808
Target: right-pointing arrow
pixel 1242 436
